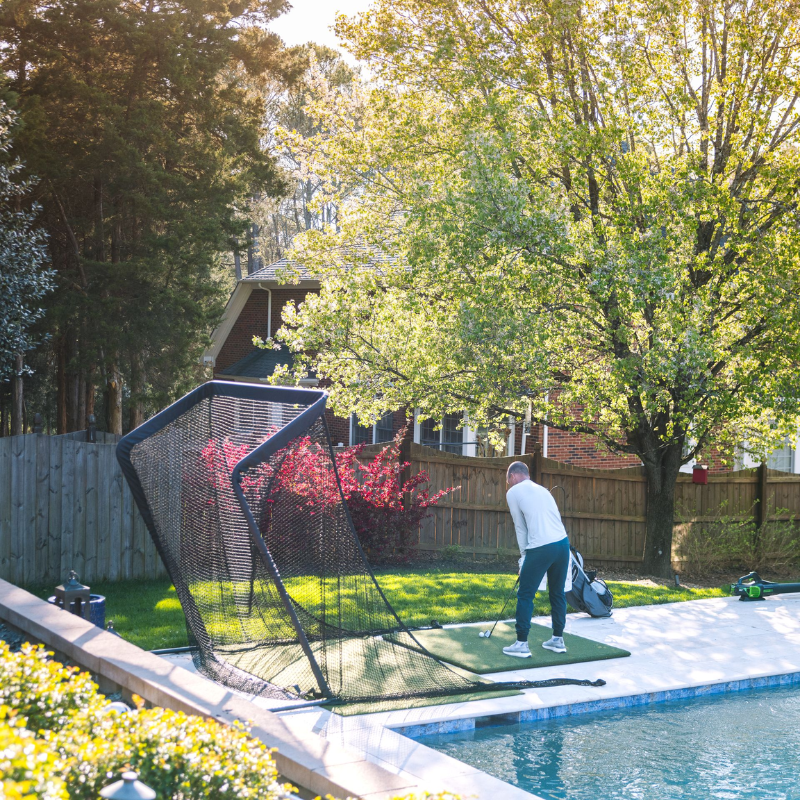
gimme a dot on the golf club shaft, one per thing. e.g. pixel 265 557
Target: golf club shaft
pixel 503 609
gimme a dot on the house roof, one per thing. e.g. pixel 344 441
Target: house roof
pixel 259 363
pixel 278 269
pixel 273 272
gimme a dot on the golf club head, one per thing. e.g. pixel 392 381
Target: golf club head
pixel 485 634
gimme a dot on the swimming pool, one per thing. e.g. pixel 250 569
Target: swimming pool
pixel 726 747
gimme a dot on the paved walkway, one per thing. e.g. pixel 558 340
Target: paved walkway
pixel 675 649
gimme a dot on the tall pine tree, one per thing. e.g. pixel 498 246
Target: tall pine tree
pixel 140 123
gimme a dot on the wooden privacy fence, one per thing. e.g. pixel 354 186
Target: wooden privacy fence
pixel 65 505
pixel 603 510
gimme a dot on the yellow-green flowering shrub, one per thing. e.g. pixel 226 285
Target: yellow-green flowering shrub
pixel 59 741
pixel 29 768
pixel 177 755
pixel 43 691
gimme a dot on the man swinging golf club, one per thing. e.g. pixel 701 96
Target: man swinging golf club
pixel 544 549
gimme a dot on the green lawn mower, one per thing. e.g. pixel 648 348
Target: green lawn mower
pixel 754 587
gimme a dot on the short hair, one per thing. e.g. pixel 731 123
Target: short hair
pixel 518 468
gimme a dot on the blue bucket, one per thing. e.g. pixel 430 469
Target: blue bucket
pixel 97 609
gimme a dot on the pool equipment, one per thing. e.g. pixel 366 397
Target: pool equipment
pixel 487 634
pixel 238 486
pixel 753 587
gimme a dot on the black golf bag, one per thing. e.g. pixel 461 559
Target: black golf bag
pixel 588 593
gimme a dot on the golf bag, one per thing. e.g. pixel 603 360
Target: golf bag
pixel 588 593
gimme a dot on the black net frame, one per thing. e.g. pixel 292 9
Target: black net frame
pixel 238 487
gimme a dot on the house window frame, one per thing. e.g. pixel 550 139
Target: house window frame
pixel 469 436
pixel 373 436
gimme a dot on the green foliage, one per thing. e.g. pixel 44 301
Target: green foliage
pixel 730 542
pixel 142 124
pixel 83 745
pixel 44 692
pixel 24 280
pixel 58 736
pixel 579 208
pixel 28 766
pixel 450 552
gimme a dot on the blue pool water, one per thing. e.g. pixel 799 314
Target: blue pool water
pixel 739 746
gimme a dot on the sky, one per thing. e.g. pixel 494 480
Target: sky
pixel 310 20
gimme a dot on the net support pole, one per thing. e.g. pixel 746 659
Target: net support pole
pixel 284 595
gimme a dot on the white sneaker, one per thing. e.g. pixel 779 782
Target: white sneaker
pixel 518 649
pixel 556 644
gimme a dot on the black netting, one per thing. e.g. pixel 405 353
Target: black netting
pixel 278 596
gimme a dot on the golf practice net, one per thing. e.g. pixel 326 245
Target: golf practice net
pixel 238 487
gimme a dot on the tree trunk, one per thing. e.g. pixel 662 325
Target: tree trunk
pixel 73 383
pixel 136 417
pixel 90 389
pixel 61 387
pixel 662 476
pixel 114 400
pixel 81 414
pixel 17 402
pixel 237 261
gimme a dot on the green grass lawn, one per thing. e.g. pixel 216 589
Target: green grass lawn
pixel 148 613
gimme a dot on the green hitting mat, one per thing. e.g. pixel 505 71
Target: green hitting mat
pixel 464 648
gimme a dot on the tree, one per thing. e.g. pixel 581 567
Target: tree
pixel 279 220
pixel 585 209
pixel 139 120
pixel 24 278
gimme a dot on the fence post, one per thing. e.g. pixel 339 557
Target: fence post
pixel 536 464
pixel 91 429
pixel 761 496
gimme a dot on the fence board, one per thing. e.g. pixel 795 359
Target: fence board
pixel 80 479
pixel 42 501
pixel 17 507
pixel 54 573
pixel 5 506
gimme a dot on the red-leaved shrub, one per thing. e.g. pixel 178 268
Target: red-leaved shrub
pixel 386 511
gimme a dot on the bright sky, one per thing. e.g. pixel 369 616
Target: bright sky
pixel 310 20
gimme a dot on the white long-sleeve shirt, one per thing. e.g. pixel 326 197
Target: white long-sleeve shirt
pixel 535 514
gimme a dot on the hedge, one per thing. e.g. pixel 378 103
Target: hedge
pixel 59 740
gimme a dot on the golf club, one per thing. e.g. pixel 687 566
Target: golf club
pixel 487 634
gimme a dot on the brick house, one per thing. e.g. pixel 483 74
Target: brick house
pixel 255 308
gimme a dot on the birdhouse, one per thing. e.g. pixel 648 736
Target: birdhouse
pixel 700 475
pixel 73 591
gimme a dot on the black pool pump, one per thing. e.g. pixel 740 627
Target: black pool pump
pixel 753 587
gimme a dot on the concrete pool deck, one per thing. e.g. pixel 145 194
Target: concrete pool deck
pixel 677 650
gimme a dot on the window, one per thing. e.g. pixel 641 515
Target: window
pixel 383 428
pixel 782 458
pixel 445 434
pixel 429 436
pixel 381 431
pixel 359 434
pixel 452 434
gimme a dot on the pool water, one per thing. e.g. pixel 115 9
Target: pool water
pixel 728 746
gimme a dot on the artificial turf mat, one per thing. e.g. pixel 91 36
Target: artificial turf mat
pixel 375 669
pixel 463 647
